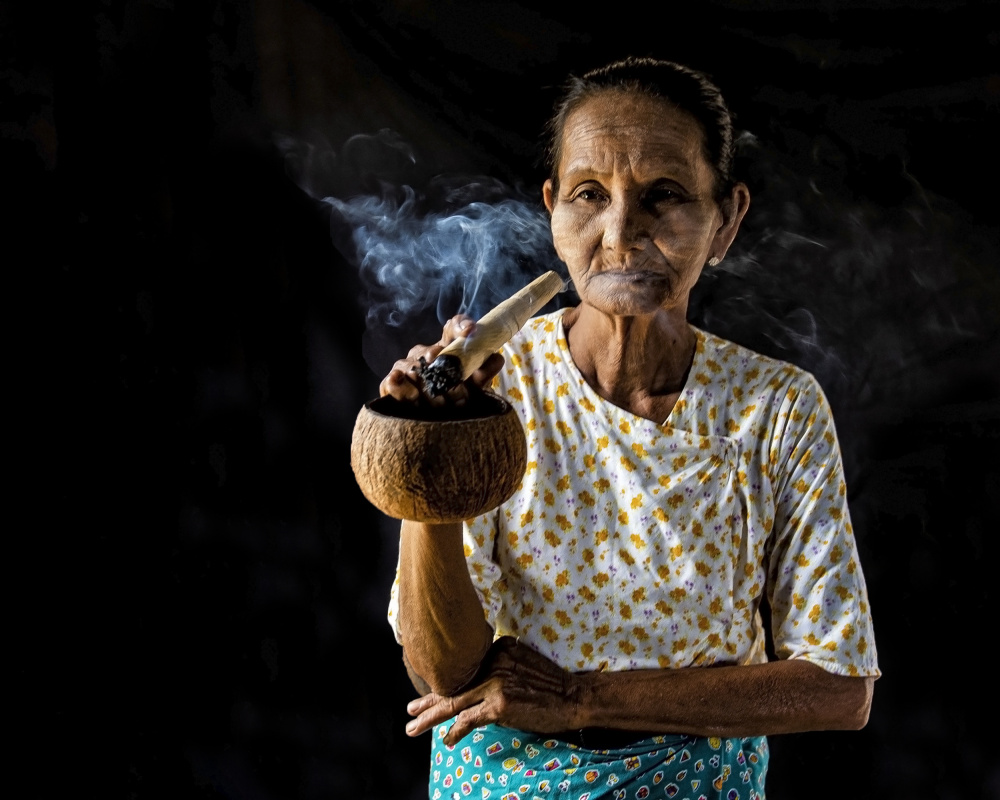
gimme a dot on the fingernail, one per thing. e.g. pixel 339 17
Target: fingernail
pixel 410 727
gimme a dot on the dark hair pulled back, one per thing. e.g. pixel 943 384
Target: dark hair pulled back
pixel 687 89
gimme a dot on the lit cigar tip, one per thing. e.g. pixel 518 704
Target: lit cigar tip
pixel 442 374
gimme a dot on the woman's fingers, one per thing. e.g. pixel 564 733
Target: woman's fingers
pixel 433 709
pixel 469 709
pixel 457 327
pixel 517 687
pixel 483 376
pixel 421 704
pixel 468 720
pixel 404 382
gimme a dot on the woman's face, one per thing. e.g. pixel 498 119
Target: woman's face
pixel 634 216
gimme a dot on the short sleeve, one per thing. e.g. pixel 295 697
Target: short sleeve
pixel 486 574
pixel 393 614
pixel 816 588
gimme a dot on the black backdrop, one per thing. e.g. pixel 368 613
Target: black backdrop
pixel 198 589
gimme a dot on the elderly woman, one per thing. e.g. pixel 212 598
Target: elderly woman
pixel 600 634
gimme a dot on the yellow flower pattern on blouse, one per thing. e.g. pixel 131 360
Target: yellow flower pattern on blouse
pixel 632 545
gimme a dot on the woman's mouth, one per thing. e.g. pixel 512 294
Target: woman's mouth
pixel 632 275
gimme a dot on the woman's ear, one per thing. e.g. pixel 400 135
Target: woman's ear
pixel 734 208
pixel 548 194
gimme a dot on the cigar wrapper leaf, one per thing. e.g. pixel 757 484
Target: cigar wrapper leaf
pixel 456 362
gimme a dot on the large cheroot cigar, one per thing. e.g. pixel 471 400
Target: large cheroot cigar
pixel 462 357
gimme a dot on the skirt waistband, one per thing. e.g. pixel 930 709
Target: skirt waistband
pixel 604 738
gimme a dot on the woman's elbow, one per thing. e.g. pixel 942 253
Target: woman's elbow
pixel 845 704
pixel 838 702
pixel 443 678
pixel 860 705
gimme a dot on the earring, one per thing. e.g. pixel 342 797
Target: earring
pixel 714 261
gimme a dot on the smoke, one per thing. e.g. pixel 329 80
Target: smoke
pixel 425 247
pixel 874 296
pixel 884 291
pixel 460 260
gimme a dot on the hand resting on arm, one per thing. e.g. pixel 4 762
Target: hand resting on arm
pixel 520 688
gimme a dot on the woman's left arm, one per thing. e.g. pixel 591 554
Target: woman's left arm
pixel 758 699
pixel 522 689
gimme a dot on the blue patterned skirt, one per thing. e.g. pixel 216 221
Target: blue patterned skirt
pixel 497 763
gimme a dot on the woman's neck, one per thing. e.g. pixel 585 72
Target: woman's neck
pixel 638 363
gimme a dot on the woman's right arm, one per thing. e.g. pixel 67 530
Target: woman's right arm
pixel 441 623
pixel 444 633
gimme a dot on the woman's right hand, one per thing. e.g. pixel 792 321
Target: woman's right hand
pixel 516 686
pixel 405 384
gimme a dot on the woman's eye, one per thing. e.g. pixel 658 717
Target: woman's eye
pixel 656 196
pixel 590 195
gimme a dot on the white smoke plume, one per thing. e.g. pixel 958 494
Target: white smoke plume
pixel 424 248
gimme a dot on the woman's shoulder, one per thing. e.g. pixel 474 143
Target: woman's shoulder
pixel 739 365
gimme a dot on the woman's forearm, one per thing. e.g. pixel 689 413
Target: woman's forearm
pixel 777 697
pixel 443 630
pixel 520 688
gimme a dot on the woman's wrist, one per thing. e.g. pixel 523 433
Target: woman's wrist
pixel 628 700
pixel 433 531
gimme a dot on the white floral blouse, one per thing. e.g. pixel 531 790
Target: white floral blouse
pixel 634 545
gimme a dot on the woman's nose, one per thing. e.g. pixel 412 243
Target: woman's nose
pixel 625 226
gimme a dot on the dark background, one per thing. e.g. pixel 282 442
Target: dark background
pixel 198 589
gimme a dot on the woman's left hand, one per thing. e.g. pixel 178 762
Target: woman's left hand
pixel 516 687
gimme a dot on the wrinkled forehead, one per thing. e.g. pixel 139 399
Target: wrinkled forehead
pixel 624 130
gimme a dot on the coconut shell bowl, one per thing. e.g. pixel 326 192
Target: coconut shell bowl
pixel 429 464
